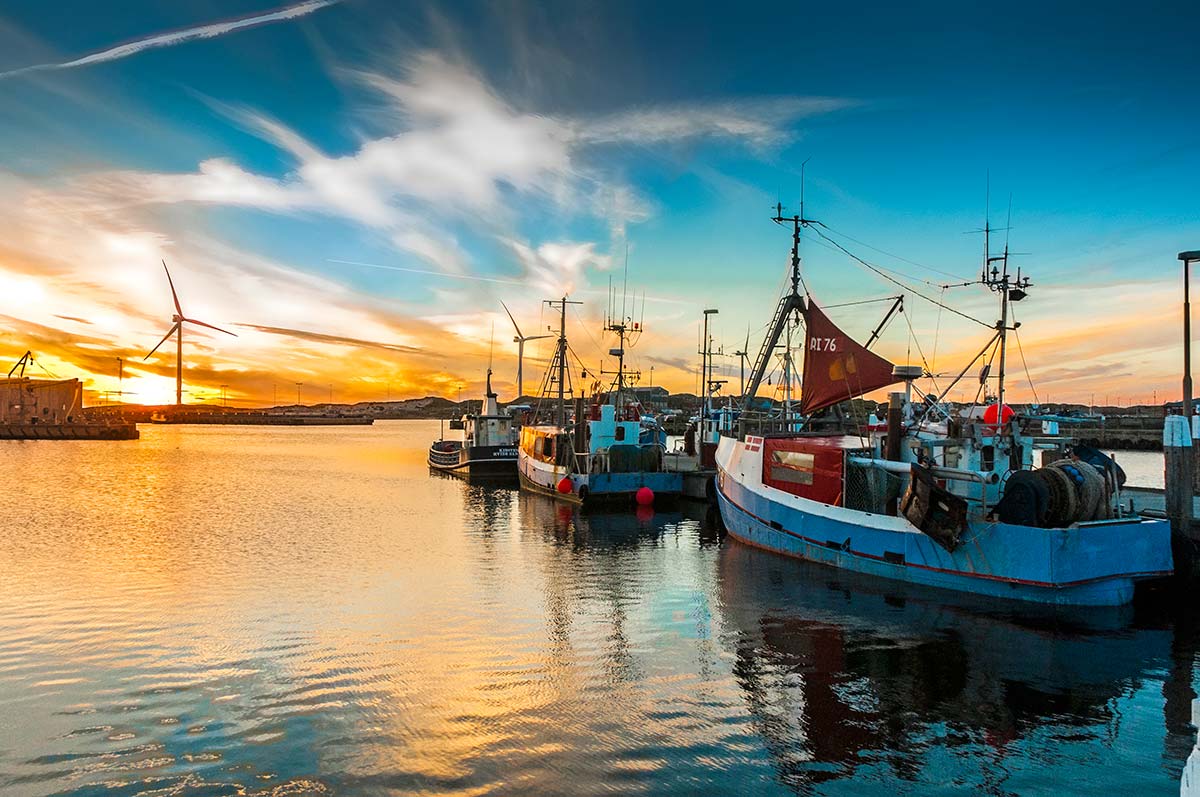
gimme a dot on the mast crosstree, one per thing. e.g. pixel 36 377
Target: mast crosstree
pixel 793 303
pixel 558 376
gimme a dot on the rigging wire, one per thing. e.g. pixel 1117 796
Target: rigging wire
pixel 882 273
pixel 892 255
pixel 912 334
pixel 863 301
pixel 937 331
pixel 579 318
pixel 38 363
pixel 1024 365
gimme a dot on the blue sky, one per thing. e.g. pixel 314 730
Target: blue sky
pixel 532 143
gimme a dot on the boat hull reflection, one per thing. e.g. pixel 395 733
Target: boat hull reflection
pixel 839 671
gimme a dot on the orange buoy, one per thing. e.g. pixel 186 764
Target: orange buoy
pixel 564 485
pixel 644 496
pixel 992 411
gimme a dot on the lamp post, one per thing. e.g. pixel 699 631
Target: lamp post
pixel 1187 258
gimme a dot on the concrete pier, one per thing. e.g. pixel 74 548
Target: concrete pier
pixel 68 431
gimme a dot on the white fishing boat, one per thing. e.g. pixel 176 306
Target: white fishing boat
pixel 933 495
pixel 485 444
pixel 601 451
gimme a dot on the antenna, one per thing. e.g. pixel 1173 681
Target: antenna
pixel 803 164
pixel 625 287
pixel 1008 223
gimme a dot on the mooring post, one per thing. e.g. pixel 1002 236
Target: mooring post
pixel 1195 419
pixel 1177 475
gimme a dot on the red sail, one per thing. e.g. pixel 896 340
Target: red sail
pixel 836 367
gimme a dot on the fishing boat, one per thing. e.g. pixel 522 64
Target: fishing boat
pixel 933 494
pixel 486 445
pixel 603 451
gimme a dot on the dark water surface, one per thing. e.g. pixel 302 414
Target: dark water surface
pixel 225 610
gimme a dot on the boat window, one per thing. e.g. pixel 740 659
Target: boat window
pixel 620 435
pixel 792 466
pixel 987 458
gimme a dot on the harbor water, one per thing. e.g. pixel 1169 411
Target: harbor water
pixel 269 610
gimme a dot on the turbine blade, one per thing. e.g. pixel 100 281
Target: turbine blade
pixel 174 296
pixel 210 326
pixel 514 321
pixel 170 332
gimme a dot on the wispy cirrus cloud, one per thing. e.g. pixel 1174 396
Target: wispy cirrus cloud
pixel 455 148
pixel 172 38
pixel 320 337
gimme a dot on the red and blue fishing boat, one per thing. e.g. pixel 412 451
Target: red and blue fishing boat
pixel 933 494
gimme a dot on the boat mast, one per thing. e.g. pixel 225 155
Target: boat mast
pixel 560 357
pixel 1010 289
pixel 792 302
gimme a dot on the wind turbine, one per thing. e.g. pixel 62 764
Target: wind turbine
pixel 520 341
pixel 179 320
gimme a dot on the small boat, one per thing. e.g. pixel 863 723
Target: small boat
pixel 487 446
pixel 607 451
pixel 936 495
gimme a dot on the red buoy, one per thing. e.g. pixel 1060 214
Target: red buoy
pixel 644 496
pixel 564 485
pixel 991 411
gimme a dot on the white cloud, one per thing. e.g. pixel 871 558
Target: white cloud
pixel 445 253
pixel 461 151
pixel 758 122
pixel 558 268
pixel 179 37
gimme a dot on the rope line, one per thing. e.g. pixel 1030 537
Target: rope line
pixel 893 280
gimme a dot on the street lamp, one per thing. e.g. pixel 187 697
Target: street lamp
pixel 1188 258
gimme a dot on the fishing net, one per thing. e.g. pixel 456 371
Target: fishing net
pixel 870 489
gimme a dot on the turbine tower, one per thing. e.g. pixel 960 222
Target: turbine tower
pixel 520 341
pixel 179 320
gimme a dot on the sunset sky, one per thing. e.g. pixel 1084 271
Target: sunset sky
pixel 354 187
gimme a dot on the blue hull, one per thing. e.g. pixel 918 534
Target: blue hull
pixel 1084 566
pixel 604 485
pixel 614 487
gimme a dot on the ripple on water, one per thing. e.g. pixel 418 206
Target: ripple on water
pixel 271 611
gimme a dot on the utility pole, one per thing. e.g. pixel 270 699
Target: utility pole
pixel 705 375
pixel 224 401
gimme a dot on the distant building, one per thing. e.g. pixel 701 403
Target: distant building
pixel 43 401
pixel 651 398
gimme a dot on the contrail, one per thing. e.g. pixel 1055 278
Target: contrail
pixel 179 37
pixel 430 273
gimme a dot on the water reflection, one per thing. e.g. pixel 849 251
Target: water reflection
pixel 248 611
pixel 850 677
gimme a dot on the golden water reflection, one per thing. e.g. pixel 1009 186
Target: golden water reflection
pixel 222 610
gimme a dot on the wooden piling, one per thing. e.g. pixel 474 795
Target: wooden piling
pixel 1195 419
pixel 1177 479
pixel 1177 476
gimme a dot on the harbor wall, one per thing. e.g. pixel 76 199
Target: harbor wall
pixel 39 401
